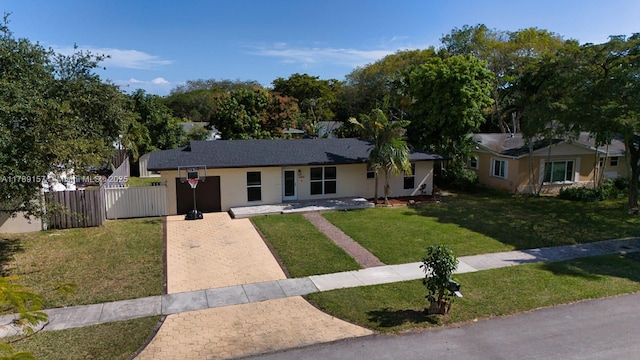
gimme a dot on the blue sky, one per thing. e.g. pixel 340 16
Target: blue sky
pixel 156 45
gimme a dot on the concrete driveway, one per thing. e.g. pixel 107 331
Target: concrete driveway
pixel 218 252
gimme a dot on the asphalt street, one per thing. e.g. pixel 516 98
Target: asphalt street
pixel 594 329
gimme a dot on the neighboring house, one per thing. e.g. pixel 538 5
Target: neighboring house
pixel 260 172
pixel 214 134
pixel 329 128
pixel 142 167
pixel 502 161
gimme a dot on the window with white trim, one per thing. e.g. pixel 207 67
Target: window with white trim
pixel 370 173
pixel 254 186
pixel 410 179
pixel 499 168
pixel 473 163
pixel 323 180
pixel 558 171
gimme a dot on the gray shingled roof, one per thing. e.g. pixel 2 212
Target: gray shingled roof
pixel 265 153
pixel 514 145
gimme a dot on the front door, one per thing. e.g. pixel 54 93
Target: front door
pixel 289 185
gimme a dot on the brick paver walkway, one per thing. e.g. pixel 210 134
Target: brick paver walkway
pixel 355 250
pixel 217 252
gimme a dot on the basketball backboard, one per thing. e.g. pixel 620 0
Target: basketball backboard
pixel 197 172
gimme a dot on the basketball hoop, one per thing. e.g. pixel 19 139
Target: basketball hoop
pixel 193 183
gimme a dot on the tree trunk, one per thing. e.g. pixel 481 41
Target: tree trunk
pixel 532 173
pixel 634 158
pixel 386 187
pixel 375 191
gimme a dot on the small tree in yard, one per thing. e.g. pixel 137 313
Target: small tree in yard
pixel 438 266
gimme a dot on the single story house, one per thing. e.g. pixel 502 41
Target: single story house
pixel 261 172
pixel 502 161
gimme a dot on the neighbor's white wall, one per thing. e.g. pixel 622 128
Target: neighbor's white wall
pixel 18 224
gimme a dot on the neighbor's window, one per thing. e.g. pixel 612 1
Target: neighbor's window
pixel 558 171
pixel 601 163
pixel 370 173
pixel 254 186
pixel 410 179
pixel 323 180
pixel 499 168
pixel 473 163
pixel 613 161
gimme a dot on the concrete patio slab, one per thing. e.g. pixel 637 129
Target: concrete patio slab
pixel 300 206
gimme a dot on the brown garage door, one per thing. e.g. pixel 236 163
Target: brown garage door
pixel 207 195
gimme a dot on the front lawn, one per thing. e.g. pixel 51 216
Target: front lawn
pixel 486 222
pixel 120 260
pixel 400 306
pixel 118 340
pixel 301 247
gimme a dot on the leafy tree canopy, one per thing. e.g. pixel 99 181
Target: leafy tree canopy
pixel 55 114
pixel 316 98
pixel 254 114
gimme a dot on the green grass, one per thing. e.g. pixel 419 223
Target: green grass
pixel 301 247
pixel 120 260
pixel 400 306
pixel 136 181
pixel 118 340
pixel 483 223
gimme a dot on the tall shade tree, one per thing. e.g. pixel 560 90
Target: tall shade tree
pixel 507 53
pixel 55 114
pixel 223 85
pixel 593 88
pixel 390 152
pixel 611 93
pixel 164 131
pixel 542 95
pixel 254 114
pixel 380 84
pixel 196 105
pixel 450 97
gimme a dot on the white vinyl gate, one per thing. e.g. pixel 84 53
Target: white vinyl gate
pixel 133 202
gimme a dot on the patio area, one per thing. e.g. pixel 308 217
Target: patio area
pixel 300 207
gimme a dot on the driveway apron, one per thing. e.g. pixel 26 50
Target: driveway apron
pixel 218 252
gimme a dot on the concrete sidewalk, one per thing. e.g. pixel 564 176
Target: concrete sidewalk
pixel 78 316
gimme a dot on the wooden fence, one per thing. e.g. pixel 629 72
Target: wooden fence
pixel 72 209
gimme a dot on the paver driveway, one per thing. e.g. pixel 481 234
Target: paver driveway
pixel 217 252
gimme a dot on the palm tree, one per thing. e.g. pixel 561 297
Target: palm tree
pixel 390 151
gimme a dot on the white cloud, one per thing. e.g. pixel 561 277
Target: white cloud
pixel 159 81
pixel 159 85
pixel 321 55
pixel 120 58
